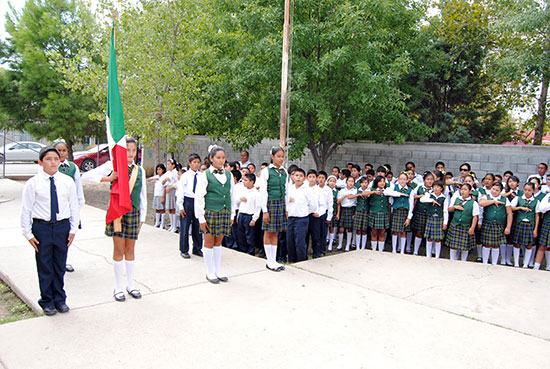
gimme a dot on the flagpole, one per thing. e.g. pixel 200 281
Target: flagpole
pixel 284 76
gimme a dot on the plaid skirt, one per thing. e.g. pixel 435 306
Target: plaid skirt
pixel 170 202
pixel 524 234
pixel 379 220
pixel 157 203
pixel 361 220
pixel 458 238
pixel 492 234
pixel 398 218
pixel 277 216
pixel 434 229
pixel 346 217
pixel 544 237
pixel 130 226
pixel 419 222
pixel 333 221
pixel 218 222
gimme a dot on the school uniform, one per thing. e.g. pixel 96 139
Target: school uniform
pixel 457 236
pixel 326 214
pixel 361 217
pixel 333 220
pixel 298 220
pixel 315 223
pixel 340 183
pixel 402 206
pixel 347 208
pixel 379 211
pixel 158 193
pixel 525 221
pixel 50 212
pixel 494 222
pixel 187 187
pixel 170 200
pixel 420 216
pixel 437 217
pixel 248 211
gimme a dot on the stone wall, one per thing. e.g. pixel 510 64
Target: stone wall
pixel 522 160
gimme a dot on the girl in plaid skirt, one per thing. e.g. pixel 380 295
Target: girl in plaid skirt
pixel 527 221
pixel 420 218
pixel 402 207
pixel 170 179
pixel 213 209
pixel 470 178
pixel 461 235
pixel 335 210
pixel 544 244
pixel 273 187
pixel 438 216
pixel 158 195
pixel 512 190
pixel 497 222
pixel 360 221
pixel 347 201
pixel 379 213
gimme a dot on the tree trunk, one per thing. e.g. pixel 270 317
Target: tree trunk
pixel 541 113
pixel 321 153
pixel 70 144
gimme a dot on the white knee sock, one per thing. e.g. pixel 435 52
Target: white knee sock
pixel 162 220
pixel 454 254
pixel 547 256
pixel 274 253
pixel 330 241
pixel 218 261
pixel 349 236
pixel 269 256
pixel 417 242
pixel 157 219
pixel 429 245
pixel 479 250
pixel 117 266
pixel 130 265
pixel 437 249
pixel 532 259
pixel 502 254
pixel 409 240
pixel 516 257
pixel 536 266
pixel 380 246
pixel 358 240
pixel 527 257
pixel 403 245
pixel 373 245
pixel 394 243
pixel 494 256
pixel 464 255
pixel 208 256
pixel 340 240
pixel 509 253
pixel 485 254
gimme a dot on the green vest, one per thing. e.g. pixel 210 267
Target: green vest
pixel 546 218
pixel 492 214
pixel 218 196
pixel 434 210
pixel 70 171
pixel 421 207
pixel 413 185
pixel 463 217
pixel 379 204
pixel 529 215
pixel 540 196
pixel 276 183
pixel 402 201
pixel 335 202
pixel 136 191
pixel 362 203
pixel 358 184
pixel 475 195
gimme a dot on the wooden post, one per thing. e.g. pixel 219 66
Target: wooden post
pixel 284 76
pixel 114 15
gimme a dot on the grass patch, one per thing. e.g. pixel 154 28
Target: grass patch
pixel 12 308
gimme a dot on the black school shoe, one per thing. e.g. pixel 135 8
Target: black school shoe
pixel 185 255
pixel 49 310
pixel 62 308
pixel 69 268
pixel 197 253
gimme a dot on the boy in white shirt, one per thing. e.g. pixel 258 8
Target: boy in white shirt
pixel 247 201
pixel 314 228
pixel 299 204
pixel 325 214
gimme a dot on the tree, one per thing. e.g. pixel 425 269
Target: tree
pixel 32 91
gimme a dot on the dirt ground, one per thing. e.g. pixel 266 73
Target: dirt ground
pixel 11 307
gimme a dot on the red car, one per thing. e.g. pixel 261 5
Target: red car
pixel 88 160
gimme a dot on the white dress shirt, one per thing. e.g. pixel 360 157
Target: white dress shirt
pixel 544 204
pixel 263 185
pixel 319 205
pixel 159 187
pixel 427 198
pixel 393 191
pixel 200 192
pixel 36 203
pixel 252 204
pixel 326 193
pixel 303 203
pixel 77 182
pixel 514 203
pixel 95 175
pixel 185 187
pixel 475 209
pixel 340 183
pixel 347 203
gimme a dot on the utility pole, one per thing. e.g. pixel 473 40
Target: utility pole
pixel 284 76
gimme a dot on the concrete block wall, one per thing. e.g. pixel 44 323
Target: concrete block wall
pixel 522 160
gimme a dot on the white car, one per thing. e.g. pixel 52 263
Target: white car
pixel 21 151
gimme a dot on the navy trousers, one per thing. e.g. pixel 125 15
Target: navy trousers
pixel 282 253
pixel 324 232
pixel 314 233
pixel 246 234
pixel 190 221
pixel 296 238
pixel 50 260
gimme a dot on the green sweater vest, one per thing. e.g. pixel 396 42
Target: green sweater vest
pixel 334 202
pixel 529 215
pixel 218 196
pixel 379 204
pixel 463 217
pixel 492 214
pixel 362 203
pixel 70 171
pixel 434 210
pixel 276 183
pixel 421 207
pixel 402 201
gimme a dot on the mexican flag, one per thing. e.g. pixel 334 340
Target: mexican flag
pixel 120 202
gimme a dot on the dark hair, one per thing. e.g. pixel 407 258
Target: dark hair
pixel 381 169
pixel 214 150
pixel 427 174
pixel 336 168
pixel 438 175
pixel 511 178
pixel 490 175
pixel 254 165
pixel 466 184
pixel 61 142
pixel 403 173
pixel 387 166
pixel 300 170
pixel 275 149
pixel 498 176
pixel 440 163
pixel 292 168
pixel 312 171
pixel 363 179
pixel 346 172
pixel 529 184
pixel 508 172
pixel 356 167
pixel 264 164
pixel 536 179
pixel 233 165
pixel 179 167
pixel 389 173
pixel 376 181
pixel 192 157
pixel 323 173
pixel 251 177
pixel 449 174
pixel 409 163
pixel 46 150
pixel 237 174
pixel 161 166
pixel 371 172
pixel 172 161
pixel 131 140
pixel 467 166
pixel 349 164
pixel 369 165
pixel 247 153
pixel 498 184
pixel 439 183
pixel 545 165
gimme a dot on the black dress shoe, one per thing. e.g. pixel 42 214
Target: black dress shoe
pixel 69 268
pixel 49 310
pixel 62 308
pixel 119 296
pixel 134 293
pixel 185 255
pixel 213 280
pixel 198 253
pixel 278 269
pixel 223 279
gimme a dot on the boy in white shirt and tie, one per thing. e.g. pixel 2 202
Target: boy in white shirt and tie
pixel 247 200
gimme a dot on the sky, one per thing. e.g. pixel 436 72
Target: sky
pixel 17 4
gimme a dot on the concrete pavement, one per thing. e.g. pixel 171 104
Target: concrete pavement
pixel 361 309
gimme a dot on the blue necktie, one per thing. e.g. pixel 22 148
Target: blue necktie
pixel 195 182
pixel 54 206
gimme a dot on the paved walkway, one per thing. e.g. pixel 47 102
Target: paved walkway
pixel 361 309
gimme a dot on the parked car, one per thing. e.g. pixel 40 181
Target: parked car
pixel 21 151
pixel 88 160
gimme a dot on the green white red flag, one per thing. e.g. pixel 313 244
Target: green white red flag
pixel 120 202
